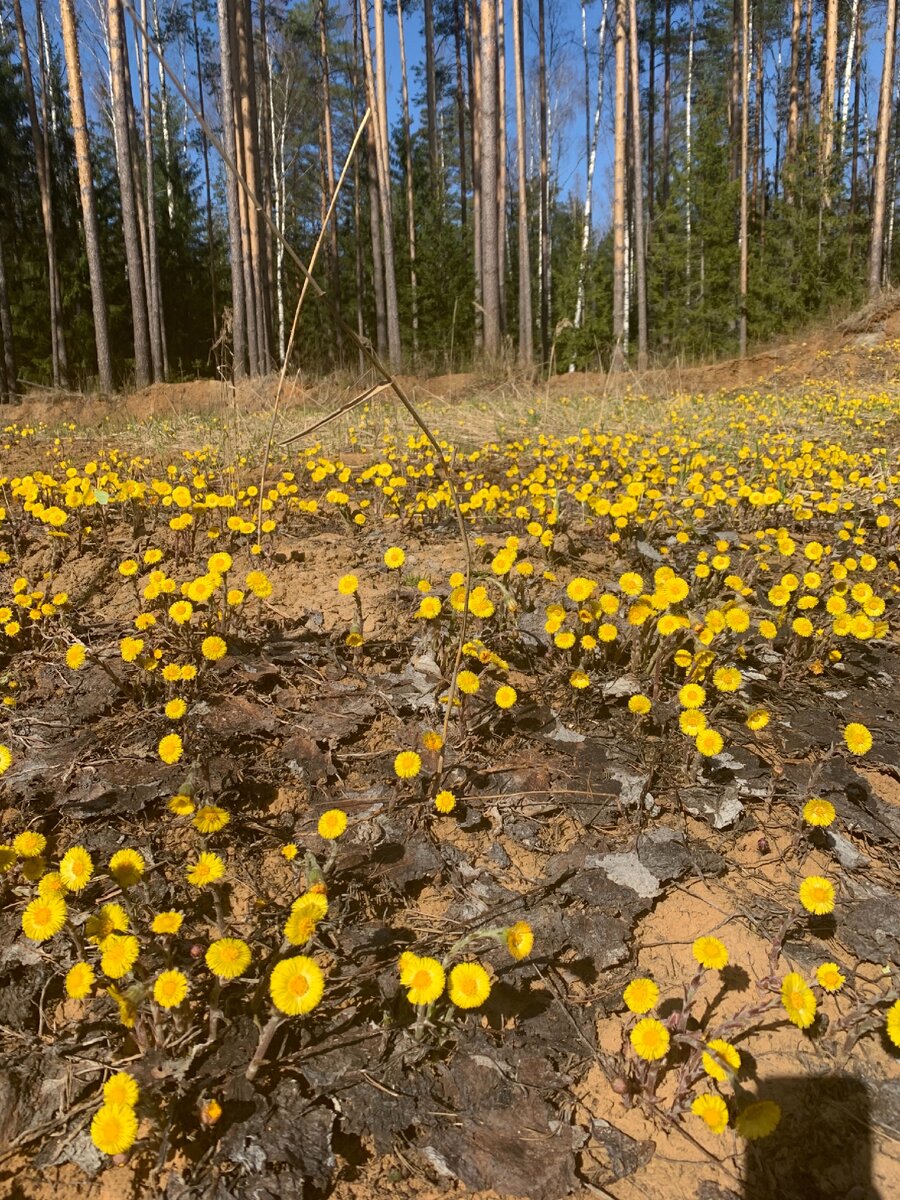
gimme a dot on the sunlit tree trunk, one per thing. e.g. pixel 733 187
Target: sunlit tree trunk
pixel 667 98
pixel 688 152
pixel 130 230
pixel 793 122
pixel 489 258
pixel 460 113
pixel 640 261
pixel 882 145
pixel 410 197
pixel 502 185
pixel 376 207
pixel 155 309
pixel 392 313
pixel 848 72
pixel 619 179
pixel 826 111
pixel 745 139
pixel 545 187
pixel 86 193
pixel 42 164
pixel 526 336
pixel 437 182
pixel 204 145
pixel 249 135
pixel 333 260
pixel 232 197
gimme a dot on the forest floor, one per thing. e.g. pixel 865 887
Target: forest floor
pixel 732 527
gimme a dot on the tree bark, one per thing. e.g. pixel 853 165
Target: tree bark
pixel 155 309
pixel 475 100
pixel 333 259
pixel 392 313
pixel 431 99
pixel 526 336
pixel 882 145
pixel 745 138
pixel 826 113
pixel 619 175
pixel 640 249
pixel 232 198
pixel 6 333
pixel 42 163
pixel 667 102
pixel 133 256
pixel 793 123
pixel 86 192
pixel 545 188
pixel 204 144
pixel 502 183
pixel 410 197
pixel 489 175
pixel 460 114
pixel 376 224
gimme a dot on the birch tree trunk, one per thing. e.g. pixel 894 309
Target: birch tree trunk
pixel 86 194
pixel 848 73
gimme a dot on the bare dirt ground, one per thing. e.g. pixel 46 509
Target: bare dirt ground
pixel 599 830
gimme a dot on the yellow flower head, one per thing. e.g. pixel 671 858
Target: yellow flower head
pixel 892 1024
pixel 639 704
pixel 520 940
pixel 296 985
pixel 228 957
pixel 817 895
pixel 43 918
pixel 121 1088
pixel 181 805
pixel 650 1039
pixel 348 585
pixel 213 648
pixel 394 557
pixel 114 1128
pixel 711 1109
pixel 167 922
pixel 580 680
pixel 425 980
pixel 79 980
pixel 469 985
pixel 798 1000
pixel 407 764
pixel 175 709
pixel 29 844
pixel 758 1120
pixel 111 918
pixel 709 742
pixel 468 682
pixel 171 748
pixel 727 679
pixel 758 719
pixel 857 738
pixel 445 802
pixel 710 953
pixel 127 867
pixel 505 696
pixel 210 818
pixel 290 850
pixel 640 996
pixel 829 977
pixel 76 868
pixel 120 953
pixel 332 824
pixel 818 812
pixel 724 1052
pixel 75 656
pixel 581 589
pixel 259 584
pixel 208 869
pixel 692 695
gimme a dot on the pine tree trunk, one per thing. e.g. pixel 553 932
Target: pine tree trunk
pixel 793 124
pixel 502 183
pixel 353 72
pixel 651 117
pixel 619 189
pixel 42 165
pixel 545 187
pixel 6 333
pixel 247 265
pixel 745 139
pixel 86 191
pixel 826 112
pixel 375 204
pixel 204 144
pixel 392 312
pixel 460 114
pixel 526 337
pixel 734 117
pixel 410 198
pixel 667 102
pixel 133 256
pixel 489 176
pixel 475 100
pixel 882 145
pixel 807 75
pixel 333 260
pixel 155 308
pixel 232 198
pixel 640 249
pixel 688 154
pixel 437 182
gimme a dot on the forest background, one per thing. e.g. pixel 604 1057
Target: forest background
pixel 543 184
